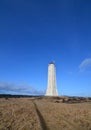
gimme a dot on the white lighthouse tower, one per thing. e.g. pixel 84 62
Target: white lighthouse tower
pixel 51 88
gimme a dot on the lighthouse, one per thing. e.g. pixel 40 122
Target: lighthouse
pixel 51 87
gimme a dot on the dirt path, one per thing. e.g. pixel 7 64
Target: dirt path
pixel 41 118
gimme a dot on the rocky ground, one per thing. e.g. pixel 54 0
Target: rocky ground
pixel 45 113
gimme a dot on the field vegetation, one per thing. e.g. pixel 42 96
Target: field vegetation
pixel 45 113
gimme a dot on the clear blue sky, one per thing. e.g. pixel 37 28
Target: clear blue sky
pixel 35 32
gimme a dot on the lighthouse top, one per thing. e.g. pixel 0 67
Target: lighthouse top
pixel 51 63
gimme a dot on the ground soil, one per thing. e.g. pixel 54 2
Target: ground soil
pixel 44 113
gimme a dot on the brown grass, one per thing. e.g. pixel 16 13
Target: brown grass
pixel 38 114
pixel 18 114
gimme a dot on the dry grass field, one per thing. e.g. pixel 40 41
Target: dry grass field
pixel 44 114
